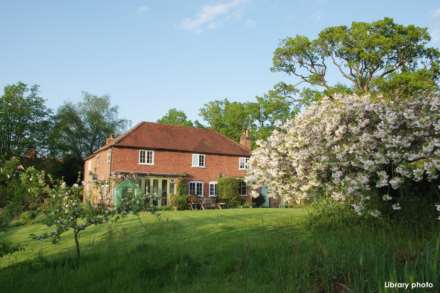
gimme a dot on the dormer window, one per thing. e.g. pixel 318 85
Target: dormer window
pixel 198 161
pixel 243 163
pixel 146 157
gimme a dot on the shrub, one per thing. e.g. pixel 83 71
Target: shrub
pixel 179 202
pixel 355 149
pixel 228 190
pixel 21 189
pixel 326 213
pixel 182 187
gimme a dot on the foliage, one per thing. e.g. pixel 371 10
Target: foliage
pixel 326 213
pixel 228 118
pixel 80 129
pixel 83 128
pixel 130 202
pixel 228 190
pixel 24 121
pixel 234 250
pixel 355 149
pixel 175 117
pixel 179 202
pixel 182 186
pixel 380 56
pixel 20 189
pixel 66 212
pixel 8 248
pixel 262 116
pixel 274 108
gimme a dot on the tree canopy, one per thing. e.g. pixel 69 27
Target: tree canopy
pixel 228 118
pixel 175 117
pixel 232 118
pixel 378 57
pixel 24 121
pixel 80 129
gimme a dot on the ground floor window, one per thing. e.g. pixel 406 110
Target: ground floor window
pixel 242 188
pixel 196 188
pixel 213 191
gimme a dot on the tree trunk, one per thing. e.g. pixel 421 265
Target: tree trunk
pixel 76 236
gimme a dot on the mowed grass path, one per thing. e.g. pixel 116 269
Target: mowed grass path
pixel 237 250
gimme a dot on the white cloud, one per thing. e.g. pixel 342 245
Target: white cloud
pixel 210 15
pixel 435 26
pixel 142 9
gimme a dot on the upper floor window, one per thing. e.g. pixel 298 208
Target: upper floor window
pixel 243 163
pixel 146 157
pixel 199 160
pixel 196 188
pixel 89 165
pixel 213 191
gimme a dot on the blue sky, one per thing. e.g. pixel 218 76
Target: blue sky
pixel 150 56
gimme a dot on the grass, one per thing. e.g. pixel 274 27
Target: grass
pixel 237 250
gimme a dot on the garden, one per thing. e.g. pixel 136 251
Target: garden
pixel 356 166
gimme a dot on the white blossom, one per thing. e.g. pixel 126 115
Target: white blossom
pixel 350 145
pixel 387 197
pixel 396 206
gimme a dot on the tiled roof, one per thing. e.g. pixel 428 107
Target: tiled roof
pixel 177 138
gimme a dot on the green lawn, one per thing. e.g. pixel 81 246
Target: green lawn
pixel 237 250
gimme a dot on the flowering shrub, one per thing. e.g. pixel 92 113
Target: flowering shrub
pixel 351 148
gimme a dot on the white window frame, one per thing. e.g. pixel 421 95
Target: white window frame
pixel 195 188
pixel 215 189
pixel 195 161
pixel 243 163
pixel 146 157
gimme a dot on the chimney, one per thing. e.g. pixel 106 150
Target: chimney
pixel 109 140
pixel 245 140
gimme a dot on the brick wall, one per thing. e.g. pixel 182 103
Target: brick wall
pixel 98 165
pixel 126 159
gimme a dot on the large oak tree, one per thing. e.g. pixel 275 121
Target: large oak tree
pixel 380 57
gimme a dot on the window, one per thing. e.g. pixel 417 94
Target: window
pixel 146 157
pixel 196 188
pixel 198 160
pixel 213 191
pixel 243 189
pixel 243 163
pixel 89 165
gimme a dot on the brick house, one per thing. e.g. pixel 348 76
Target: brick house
pixel 153 158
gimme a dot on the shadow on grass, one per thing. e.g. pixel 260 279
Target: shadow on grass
pixel 229 252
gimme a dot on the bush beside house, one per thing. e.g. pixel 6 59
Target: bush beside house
pixel 228 189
